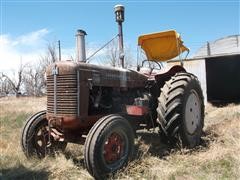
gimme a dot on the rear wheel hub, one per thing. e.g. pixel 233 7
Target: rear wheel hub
pixel 192 112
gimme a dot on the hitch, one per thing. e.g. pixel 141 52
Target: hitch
pixel 53 132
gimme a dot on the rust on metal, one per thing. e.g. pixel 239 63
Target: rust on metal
pixel 136 110
pixel 73 122
pixel 74 81
pixel 113 148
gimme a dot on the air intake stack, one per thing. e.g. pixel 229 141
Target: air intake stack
pixel 119 14
pixel 80 43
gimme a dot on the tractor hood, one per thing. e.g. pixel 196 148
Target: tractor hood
pixel 162 46
pixel 98 75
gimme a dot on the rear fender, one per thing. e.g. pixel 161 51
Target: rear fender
pixel 161 78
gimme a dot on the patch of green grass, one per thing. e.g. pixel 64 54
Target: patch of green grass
pixel 215 169
pixel 14 120
pixel 221 168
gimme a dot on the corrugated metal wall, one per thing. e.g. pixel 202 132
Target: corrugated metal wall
pixel 226 45
pixel 219 77
pixel 220 61
pixel 196 67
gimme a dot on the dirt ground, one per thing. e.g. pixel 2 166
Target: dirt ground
pixel 218 156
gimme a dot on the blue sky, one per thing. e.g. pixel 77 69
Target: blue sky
pixel 27 26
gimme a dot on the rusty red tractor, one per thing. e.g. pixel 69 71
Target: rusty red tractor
pixel 103 107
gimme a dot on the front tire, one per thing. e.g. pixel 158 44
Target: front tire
pixel 109 146
pixel 181 110
pixel 34 139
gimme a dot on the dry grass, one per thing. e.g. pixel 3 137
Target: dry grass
pixel 217 158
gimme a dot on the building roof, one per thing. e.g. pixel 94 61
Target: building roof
pixel 225 45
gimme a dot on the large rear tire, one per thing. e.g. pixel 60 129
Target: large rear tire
pixel 34 139
pixel 109 146
pixel 181 110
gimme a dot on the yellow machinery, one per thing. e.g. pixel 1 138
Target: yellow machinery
pixel 162 46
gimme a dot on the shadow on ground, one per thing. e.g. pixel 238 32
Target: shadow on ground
pixel 23 173
pixel 151 143
pixel 155 146
pixel 78 161
pixel 224 104
pixel 161 148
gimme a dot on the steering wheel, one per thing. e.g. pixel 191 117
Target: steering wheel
pixel 152 65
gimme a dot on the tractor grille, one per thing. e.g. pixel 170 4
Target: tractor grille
pixel 66 94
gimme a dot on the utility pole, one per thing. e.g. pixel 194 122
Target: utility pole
pixel 59 50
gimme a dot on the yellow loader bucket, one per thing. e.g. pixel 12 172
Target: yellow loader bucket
pixel 162 46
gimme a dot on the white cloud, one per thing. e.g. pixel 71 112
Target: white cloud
pixel 25 48
pixel 29 47
pixel 33 37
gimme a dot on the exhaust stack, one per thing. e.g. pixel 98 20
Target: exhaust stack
pixel 119 15
pixel 80 45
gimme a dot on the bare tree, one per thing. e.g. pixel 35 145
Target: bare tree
pixel 34 78
pixel 13 83
pixel 34 81
pixel 111 56
pixel 129 61
pixel 5 86
pixel 50 55
pixel 52 51
pixel 28 78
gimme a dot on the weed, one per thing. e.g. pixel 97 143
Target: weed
pixel 217 157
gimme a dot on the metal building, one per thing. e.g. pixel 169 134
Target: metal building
pixel 217 65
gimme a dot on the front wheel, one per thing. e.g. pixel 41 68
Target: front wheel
pixel 35 137
pixel 181 110
pixel 109 146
